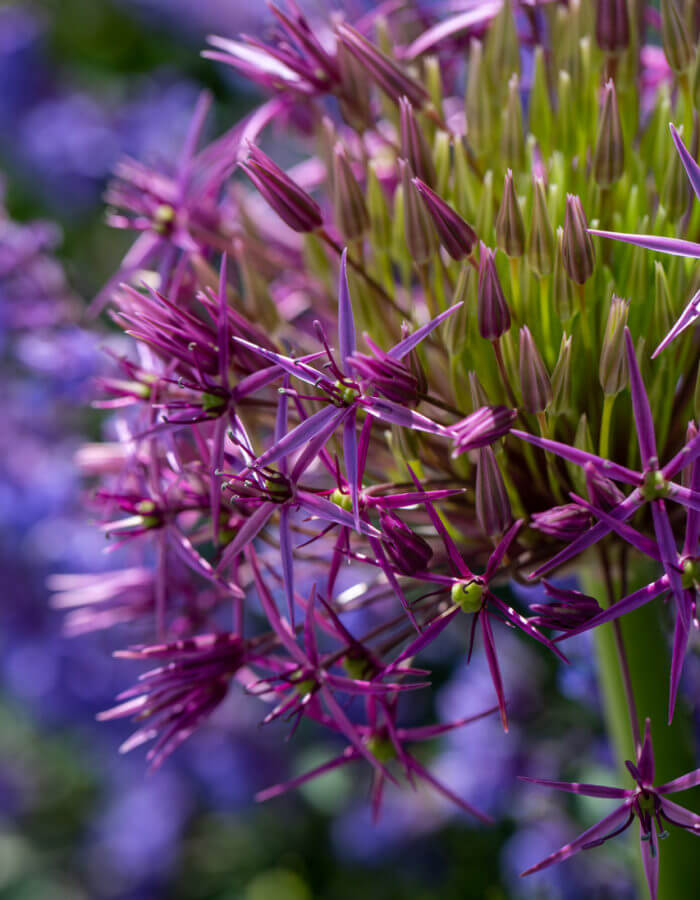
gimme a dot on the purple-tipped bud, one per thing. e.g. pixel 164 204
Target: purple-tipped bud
pixel 354 95
pixel 383 70
pixel 602 492
pixel 577 247
pixel 389 377
pixel 510 228
pixel 492 504
pixel 675 38
pixel 292 204
pixel 409 552
pixel 418 229
pixel 351 214
pixel 456 236
pixel 414 146
pixel 481 428
pixel 540 251
pixel 568 611
pixel 534 381
pixel 493 312
pixel 612 370
pixel 609 154
pixel 612 25
pixel 565 522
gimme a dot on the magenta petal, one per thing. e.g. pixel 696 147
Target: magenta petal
pixel 331 512
pixel 683 783
pixel 426 732
pixel 455 557
pixel 248 531
pixel 691 167
pixel 398 351
pixel 502 548
pixel 627 533
pixel 304 431
pixel 678 815
pixel 686 318
pixel 441 788
pixel 287 559
pixel 595 832
pixel 294 366
pixel 454 26
pixel 645 763
pixel 576 787
pixel 680 645
pixel 351 466
pixel 388 411
pixel 492 660
pixel 642 410
pixel 650 859
pixel 674 246
pixel 430 633
pixel 277 789
pixel 669 557
pixel 346 322
pixel 581 458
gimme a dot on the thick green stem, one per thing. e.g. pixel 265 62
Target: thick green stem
pixel 648 660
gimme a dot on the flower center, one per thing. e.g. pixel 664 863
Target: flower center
pixel 655 486
pixel 468 595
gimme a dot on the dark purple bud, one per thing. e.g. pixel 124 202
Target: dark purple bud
pixel 481 428
pixel 675 38
pixel 493 312
pixel 577 247
pixel 510 228
pixel 354 95
pixel 389 377
pixel 492 504
pixel 612 26
pixel 409 552
pixel 456 236
pixel 414 146
pixel 565 522
pixel 602 492
pixel 609 154
pixel 534 381
pixel 568 611
pixel 383 70
pixel 291 203
pixel 351 214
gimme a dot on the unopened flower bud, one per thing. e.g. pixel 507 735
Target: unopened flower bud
pixel 477 99
pixel 512 136
pixel 378 209
pixel 577 246
pixel 383 70
pixel 602 492
pixel 510 228
pixel 612 370
pixel 675 192
pixel 354 95
pixel 493 312
pixel 456 236
pixel 663 308
pixel 481 428
pixel 414 146
pixel 419 233
pixel 561 379
pixel 561 286
pixel 674 37
pixel 612 26
pixel 568 611
pixel 291 203
pixel 534 381
pixel 540 251
pixel 492 504
pixel 609 154
pixel 409 552
pixel 565 522
pixel 389 377
pixel 351 214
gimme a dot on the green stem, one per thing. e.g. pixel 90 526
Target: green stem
pixel 604 445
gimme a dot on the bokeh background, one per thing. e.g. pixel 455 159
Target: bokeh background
pixel 83 82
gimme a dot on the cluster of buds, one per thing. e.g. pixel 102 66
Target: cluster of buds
pixel 401 358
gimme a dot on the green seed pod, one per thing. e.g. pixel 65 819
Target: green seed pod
pixel 612 370
pixel 609 153
pixel 510 228
pixel 540 251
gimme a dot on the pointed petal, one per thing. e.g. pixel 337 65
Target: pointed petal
pixel 678 815
pixel 669 557
pixel 282 420
pixel 442 789
pixel 502 548
pixel 431 632
pixel 691 167
pixel 454 554
pixel 294 366
pixel 640 405
pixel 394 414
pixel 686 318
pixel 674 246
pixel 301 434
pixel 595 832
pixel 351 467
pixel 398 351
pixel 277 789
pixel 287 560
pixel 683 783
pixel 627 533
pixel 680 644
pixel 577 787
pixel 492 660
pixel 346 322
pixel 646 756
pixel 581 458
pixel 650 859
pixel 250 529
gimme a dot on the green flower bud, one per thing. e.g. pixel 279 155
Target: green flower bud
pixel 561 379
pixel 467 595
pixel 351 214
pixel 609 153
pixel 477 101
pixel 674 37
pixel 419 233
pixel 512 136
pixel 612 370
pixel 675 193
pixel 577 247
pixel 510 228
pixel 492 504
pixel 534 381
pixel 663 308
pixel 414 145
pixel 378 209
pixel 540 252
